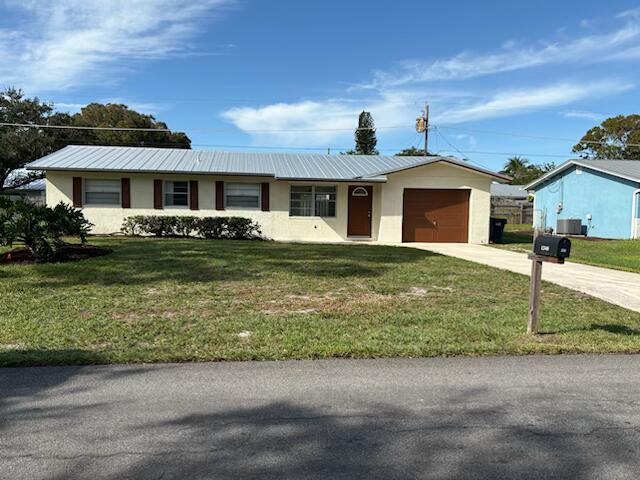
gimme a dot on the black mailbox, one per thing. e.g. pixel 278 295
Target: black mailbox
pixel 552 246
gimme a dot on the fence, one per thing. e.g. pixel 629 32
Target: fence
pixel 516 211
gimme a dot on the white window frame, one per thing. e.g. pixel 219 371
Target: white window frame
pixel 313 201
pixel 226 187
pixel 107 205
pixel 164 195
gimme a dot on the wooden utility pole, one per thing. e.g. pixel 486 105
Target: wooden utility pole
pixel 426 128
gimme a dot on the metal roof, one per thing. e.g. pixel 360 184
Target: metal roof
pixel 279 165
pixel 511 191
pixel 16 174
pixel 627 169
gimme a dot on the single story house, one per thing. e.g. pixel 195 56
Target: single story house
pixel 303 197
pixel 33 192
pixel 603 194
pixel 511 202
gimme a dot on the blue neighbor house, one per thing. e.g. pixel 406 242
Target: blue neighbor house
pixel 603 194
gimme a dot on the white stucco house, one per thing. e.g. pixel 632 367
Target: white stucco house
pixel 305 197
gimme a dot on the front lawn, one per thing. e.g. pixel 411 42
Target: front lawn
pixel 618 254
pixel 156 300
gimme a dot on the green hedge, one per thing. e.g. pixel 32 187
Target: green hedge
pixel 237 228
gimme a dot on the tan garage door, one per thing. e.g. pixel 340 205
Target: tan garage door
pixel 435 215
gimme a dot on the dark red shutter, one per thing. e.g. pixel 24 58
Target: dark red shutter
pixel 77 192
pixel 219 195
pixel 157 194
pixel 193 194
pixel 265 197
pixel 125 192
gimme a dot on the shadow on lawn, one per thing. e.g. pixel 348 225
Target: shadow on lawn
pixel 149 261
pixel 462 436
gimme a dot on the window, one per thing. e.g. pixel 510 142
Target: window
pixel 176 194
pixel 309 201
pixel 360 192
pixel 242 195
pixel 101 192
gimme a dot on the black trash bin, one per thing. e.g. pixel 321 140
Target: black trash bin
pixel 496 229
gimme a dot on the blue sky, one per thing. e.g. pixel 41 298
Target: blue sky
pixel 293 75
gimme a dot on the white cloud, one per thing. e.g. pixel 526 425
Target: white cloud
pixel 583 115
pixel 315 123
pixel 511 57
pixel 67 43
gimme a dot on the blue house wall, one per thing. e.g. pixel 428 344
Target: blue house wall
pixel 580 192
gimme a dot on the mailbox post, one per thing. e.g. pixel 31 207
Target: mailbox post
pixel 546 248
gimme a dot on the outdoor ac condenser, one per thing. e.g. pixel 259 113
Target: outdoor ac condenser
pixel 569 226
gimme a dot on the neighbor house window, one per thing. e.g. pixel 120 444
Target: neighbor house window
pixel 176 194
pixel 311 200
pixel 101 192
pixel 242 195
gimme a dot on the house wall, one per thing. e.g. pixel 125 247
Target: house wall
pixel 437 176
pixel 277 224
pixel 605 197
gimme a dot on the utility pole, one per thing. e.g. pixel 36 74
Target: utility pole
pixel 426 128
pixel 422 126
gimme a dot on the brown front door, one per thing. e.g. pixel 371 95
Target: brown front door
pixel 360 202
pixel 435 215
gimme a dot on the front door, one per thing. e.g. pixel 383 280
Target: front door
pixel 360 204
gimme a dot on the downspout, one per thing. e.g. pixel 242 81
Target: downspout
pixel 635 198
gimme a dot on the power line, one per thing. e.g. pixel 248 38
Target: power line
pixel 535 137
pixel 116 129
pixel 166 130
pixel 458 150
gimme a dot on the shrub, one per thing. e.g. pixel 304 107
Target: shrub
pixel 237 228
pixel 212 227
pixel 41 228
pixel 240 228
pixel 185 226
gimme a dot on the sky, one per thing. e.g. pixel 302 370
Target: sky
pixel 502 78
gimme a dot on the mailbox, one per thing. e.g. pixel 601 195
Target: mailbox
pixel 552 246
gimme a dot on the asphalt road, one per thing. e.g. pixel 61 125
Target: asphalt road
pixel 528 417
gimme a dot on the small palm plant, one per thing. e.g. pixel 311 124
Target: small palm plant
pixel 41 229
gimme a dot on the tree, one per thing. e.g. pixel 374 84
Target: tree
pixel 114 115
pixel 365 135
pixel 19 145
pixel 410 152
pixel 522 171
pixel 615 138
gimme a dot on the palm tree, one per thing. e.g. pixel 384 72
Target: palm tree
pixel 516 167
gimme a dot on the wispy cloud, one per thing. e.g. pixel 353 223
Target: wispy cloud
pixel 526 100
pixel 512 57
pixel 390 95
pixel 583 115
pixel 65 43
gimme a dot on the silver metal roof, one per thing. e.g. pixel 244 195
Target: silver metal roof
pixel 279 165
pixel 627 169
pixel 16 174
pixel 511 191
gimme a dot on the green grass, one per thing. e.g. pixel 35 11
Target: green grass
pixel 193 300
pixel 617 254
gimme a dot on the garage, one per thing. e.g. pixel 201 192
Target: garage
pixel 432 215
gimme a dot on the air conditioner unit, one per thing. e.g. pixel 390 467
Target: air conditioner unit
pixel 569 226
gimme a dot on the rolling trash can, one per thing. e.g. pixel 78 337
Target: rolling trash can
pixel 496 229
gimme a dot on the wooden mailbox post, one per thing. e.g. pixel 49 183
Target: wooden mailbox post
pixel 550 249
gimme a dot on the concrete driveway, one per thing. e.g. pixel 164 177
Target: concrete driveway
pixel 536 417
pixel 614 286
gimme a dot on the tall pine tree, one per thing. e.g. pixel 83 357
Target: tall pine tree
pixel 365 135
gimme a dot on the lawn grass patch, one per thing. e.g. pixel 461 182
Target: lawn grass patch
pixel 617 254
pixel 166 300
